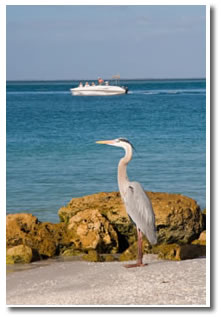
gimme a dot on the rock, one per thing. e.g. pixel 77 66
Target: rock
pixel 71 251
pixel 99 222
pixel 48 237
pixel 178 252
pixel 201 240
pixel 18 254
pixel 190 251
pixel 18 227
pixel 88 229
pixel 203 236
pixel 42 238
pixel 178 218
pixel 109 257
pixel 130 253
pixel 174 252
pixel 92 256
pixel 108 205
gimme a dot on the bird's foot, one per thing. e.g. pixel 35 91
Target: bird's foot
pixel 127 266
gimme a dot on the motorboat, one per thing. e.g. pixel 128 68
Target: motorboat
pixel 98 90
pixel 102 89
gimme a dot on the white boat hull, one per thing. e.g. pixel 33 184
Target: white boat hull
pixel 98 91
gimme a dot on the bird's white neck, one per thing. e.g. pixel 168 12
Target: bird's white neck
pixel 122 169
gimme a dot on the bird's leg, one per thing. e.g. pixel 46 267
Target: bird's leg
pixel 140 253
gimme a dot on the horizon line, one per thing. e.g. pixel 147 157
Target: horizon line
pixel 135 78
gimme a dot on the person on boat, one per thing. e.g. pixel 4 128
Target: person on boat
pixel 87 85
pixel 100 81
pixel 93 84
pixel 80 84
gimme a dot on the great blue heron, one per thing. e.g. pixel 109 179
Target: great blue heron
pixel 136 201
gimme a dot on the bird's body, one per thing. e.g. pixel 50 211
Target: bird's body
pixel 136 201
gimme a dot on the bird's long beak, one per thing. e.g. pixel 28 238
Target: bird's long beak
pixel 106 142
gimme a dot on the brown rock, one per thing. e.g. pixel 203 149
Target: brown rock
pixel 178 252
pixel 19 254
pixel 88 229
pixel 203 236
pixel 70 251
pixel 109 258
pixel 130 253
pixel 174 252
pixel 201 240
pixel 111 207
pixel 92 256
pixel 42 238
pixel 99 222
pixel 47 238
pixel 18 227
pixel 190 251
pixel 178 218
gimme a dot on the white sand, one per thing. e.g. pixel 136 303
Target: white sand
pixel 86 283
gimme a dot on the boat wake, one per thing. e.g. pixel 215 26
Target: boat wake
pixel 169 92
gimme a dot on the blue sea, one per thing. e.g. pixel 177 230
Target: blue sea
pixel 52 155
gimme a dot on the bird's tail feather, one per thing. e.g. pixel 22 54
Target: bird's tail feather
pixel 151 236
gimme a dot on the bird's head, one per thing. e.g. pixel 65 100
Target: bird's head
pixel 120 142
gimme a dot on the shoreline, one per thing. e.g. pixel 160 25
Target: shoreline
pixel 78 283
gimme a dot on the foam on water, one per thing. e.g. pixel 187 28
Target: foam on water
pixel 165 92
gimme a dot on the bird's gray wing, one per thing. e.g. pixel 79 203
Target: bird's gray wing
pixel 140 210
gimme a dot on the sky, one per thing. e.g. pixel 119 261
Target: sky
pixel 85 42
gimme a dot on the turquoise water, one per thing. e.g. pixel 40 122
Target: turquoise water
pixel 51 151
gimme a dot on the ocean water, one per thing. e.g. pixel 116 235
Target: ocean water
pixel 51 151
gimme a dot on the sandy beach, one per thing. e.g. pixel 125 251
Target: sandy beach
pixel 86 283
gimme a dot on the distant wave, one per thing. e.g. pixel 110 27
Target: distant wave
pixel 169 92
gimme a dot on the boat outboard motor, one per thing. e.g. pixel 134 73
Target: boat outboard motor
pixel 126 89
